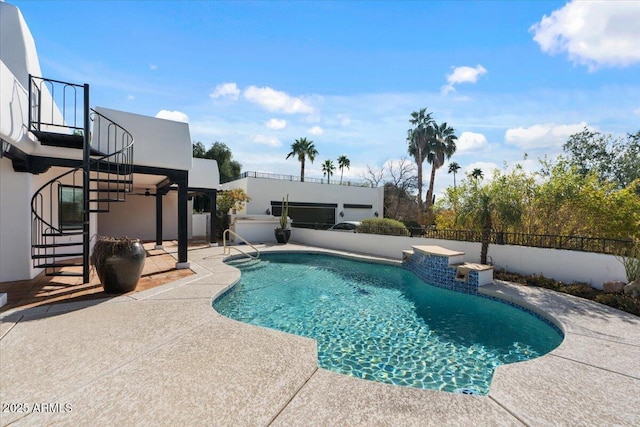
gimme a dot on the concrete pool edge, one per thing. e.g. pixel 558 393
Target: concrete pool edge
pixel 591 378
pixel 550 308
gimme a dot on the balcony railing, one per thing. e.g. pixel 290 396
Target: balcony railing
pixel 293 178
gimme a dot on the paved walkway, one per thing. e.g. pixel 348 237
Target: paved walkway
pixel 165 357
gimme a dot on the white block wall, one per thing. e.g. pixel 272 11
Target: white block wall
pixel 562 265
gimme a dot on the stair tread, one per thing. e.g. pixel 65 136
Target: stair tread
pixel 106 200
pixel 121 181
pixel 58 255
pixel 59 264
pixel 64 273
pixel 56 245
pixel 72 233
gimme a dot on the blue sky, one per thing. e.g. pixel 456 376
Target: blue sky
pixel 509 77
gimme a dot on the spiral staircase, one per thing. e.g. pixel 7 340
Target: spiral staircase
pixel 60 116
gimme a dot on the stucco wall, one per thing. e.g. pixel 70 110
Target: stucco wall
pixel 136 217
pixel 566 266
pixel 16 190
pixel 158 142
pixel 263 191
pixel 15 232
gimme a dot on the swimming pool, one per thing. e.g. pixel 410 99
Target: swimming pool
pixel 380 322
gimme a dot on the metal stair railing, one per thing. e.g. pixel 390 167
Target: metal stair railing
pixel 227 249
pixel 110 170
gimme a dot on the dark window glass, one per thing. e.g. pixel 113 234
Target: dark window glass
pixel 70 208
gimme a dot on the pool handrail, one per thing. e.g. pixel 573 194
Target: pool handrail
pixel 227 249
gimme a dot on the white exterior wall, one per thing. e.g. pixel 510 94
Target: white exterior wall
pixel 136 218
pixel 15 223
pixel 16 190
pixel 204 173
pixel 263 191
pixel 199 224
pixel 157 142
pixel 255 228
pixel 562 265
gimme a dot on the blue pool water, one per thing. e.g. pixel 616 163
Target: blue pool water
pixel 380 322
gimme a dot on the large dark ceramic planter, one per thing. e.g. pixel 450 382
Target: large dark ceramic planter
pixel 282 236
pixel 119 273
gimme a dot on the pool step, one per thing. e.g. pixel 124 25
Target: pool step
pixel 246 264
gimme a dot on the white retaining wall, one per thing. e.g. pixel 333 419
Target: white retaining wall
pixel 199 224
pixel 562 265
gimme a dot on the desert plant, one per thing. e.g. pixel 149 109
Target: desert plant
pixel 386 226
pixel 630 259
pixel 285 213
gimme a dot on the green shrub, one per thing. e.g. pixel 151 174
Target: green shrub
pixel 630 259
pixel 582 290
pixel 621 302
pixel 386 226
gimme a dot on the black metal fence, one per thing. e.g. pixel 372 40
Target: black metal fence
pixel 572 243
pixel 333 181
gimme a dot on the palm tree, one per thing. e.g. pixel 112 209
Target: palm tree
pixel 454 167
pixel 441 146
pixel 343 162
pixel 476 174
pixel 327 169
pixel 479 209
pixel 303 148
pixel 418 138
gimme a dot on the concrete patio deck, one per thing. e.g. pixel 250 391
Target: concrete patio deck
pixel 163 356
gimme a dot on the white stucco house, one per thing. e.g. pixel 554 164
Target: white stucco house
pixel 312 203
pixel 69 171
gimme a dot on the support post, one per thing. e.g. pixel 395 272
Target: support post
pixel 86 167
pixel 182 182
pixel 213 238
pixel 159 195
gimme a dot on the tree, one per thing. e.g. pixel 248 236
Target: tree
pixel 303 149
pixel 199 150
pixel 374 176
pixel 327 169
pixel 477 175
pixel 477 210
pixel 343 162
pixel 610 159
pixel 418 137
pixel 227 200
pixel 441 146
pixel 454 167
pixel 399 197
pixel 228 168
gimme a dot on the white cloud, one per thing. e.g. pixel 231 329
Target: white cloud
pixel 153 67
pixel 344 119
pixel 316 130
pixel 131 97
pixel 276 124
pixel 470 141
pixel 277 101
pixel 542 136
pixel 267 140
pixel 463 75
pixel 176 116
pixel 593 33
pixel 226 90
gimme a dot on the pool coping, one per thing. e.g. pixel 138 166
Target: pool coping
pixel 265 377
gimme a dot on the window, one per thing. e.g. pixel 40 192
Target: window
pixel 70 206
